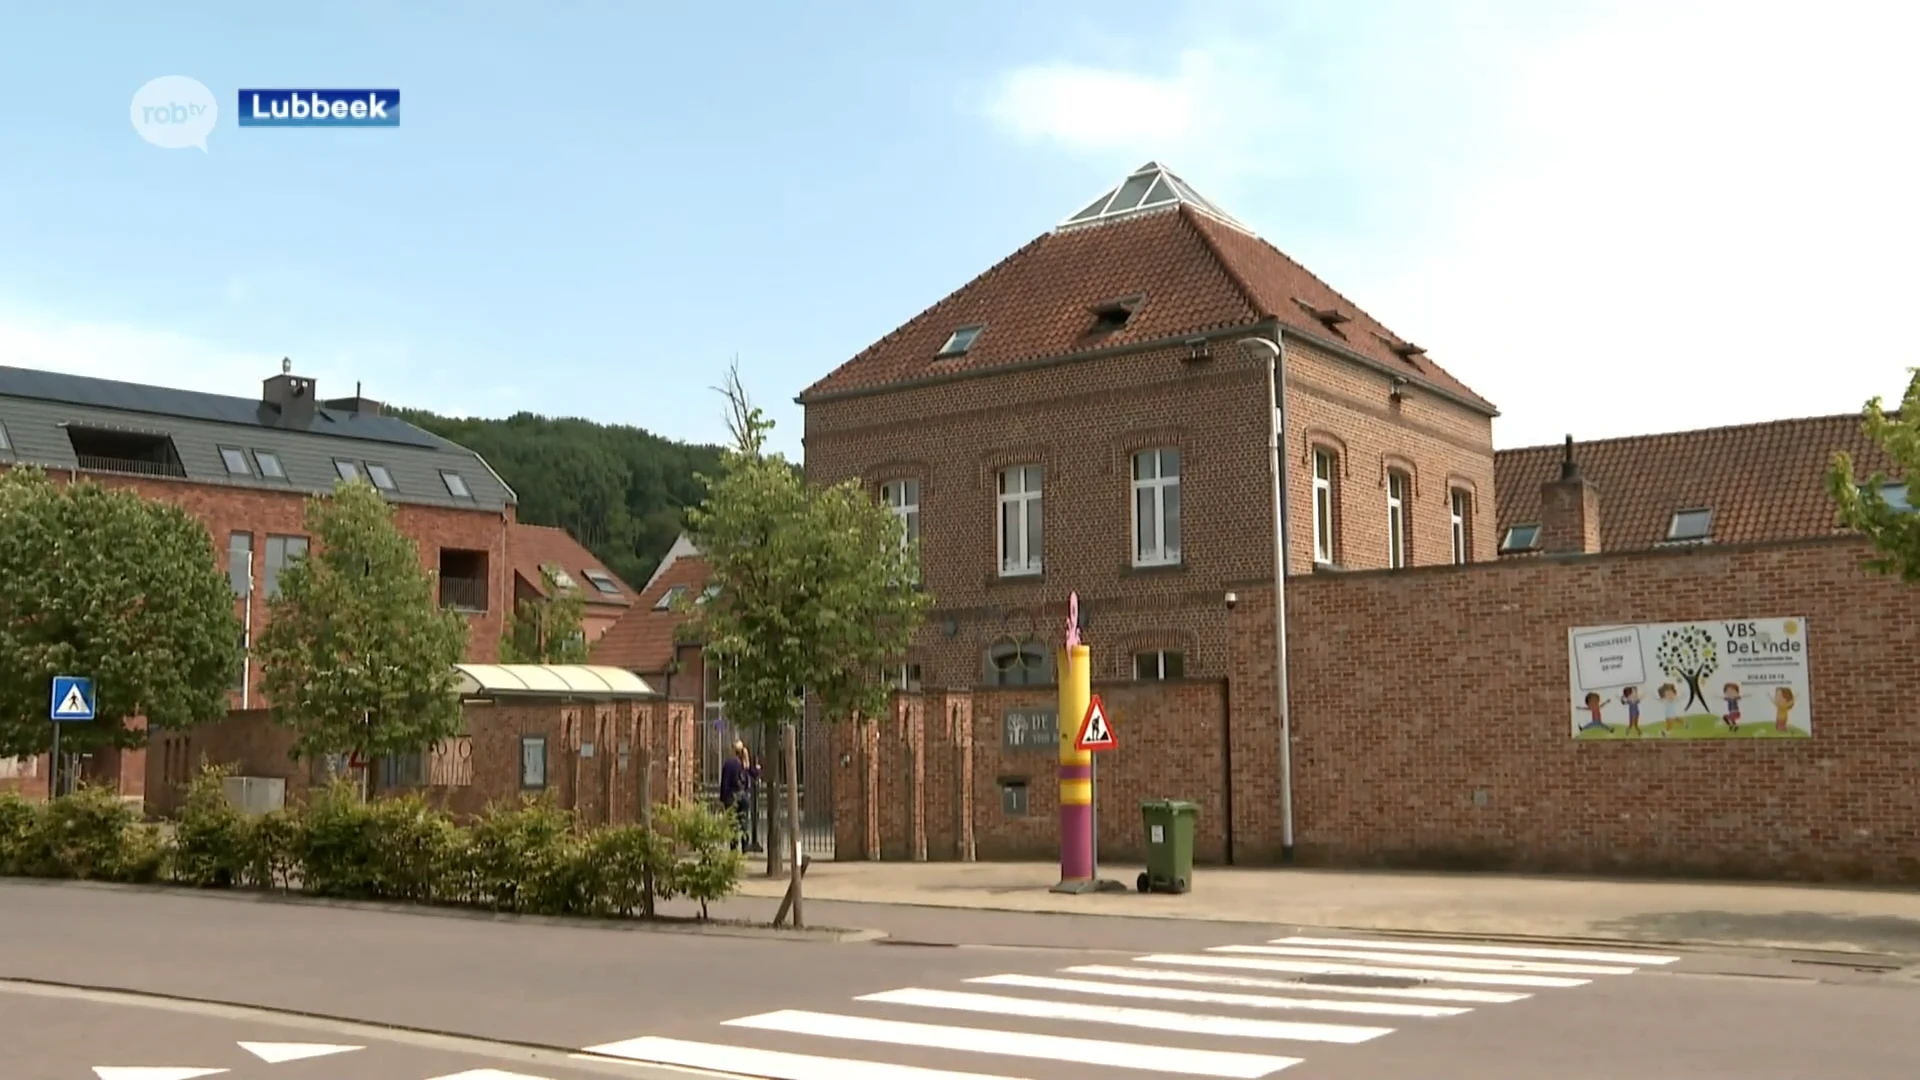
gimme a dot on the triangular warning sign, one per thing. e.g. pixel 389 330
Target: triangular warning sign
pixel 1095 732
pixel 74 704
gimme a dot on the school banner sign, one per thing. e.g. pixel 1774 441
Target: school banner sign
pixel 1713 679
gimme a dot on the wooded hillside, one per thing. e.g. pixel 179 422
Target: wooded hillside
pixel 619 490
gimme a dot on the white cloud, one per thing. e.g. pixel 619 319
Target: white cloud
pixel 1645 217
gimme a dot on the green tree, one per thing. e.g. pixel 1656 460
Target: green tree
pixel 547 629
pixel 357 654
pixel 1893 527
pixel 100 582
pixel 811 588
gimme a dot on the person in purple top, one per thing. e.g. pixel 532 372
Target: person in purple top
pixel 1630 697
pixel 737 775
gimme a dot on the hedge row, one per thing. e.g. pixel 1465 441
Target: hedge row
pixel 531 858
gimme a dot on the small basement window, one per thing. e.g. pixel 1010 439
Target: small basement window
pixel 235 460
pixel 1695 524
pixel 456 484
pixel 672 597
pixel 602 581
pixel 961 341
pixel 1520 538
pixel 381 478
pixel 269 464
pixel 348 470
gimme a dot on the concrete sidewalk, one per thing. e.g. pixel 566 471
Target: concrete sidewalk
pixel 1852 920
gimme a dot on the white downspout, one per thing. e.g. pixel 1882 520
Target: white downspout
pixel 1276 469
pixel 246 654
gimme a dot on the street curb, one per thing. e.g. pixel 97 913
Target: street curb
pixel 1754 944
pixel 825 935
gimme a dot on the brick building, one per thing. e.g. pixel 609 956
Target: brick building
pixel 540 552
pixel 1094 414
pixel 245 467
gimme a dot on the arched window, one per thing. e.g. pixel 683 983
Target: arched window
pixel 1012 663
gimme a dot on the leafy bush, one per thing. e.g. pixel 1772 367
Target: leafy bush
pixel 90 834
pixel 18 821
pixel 704 867
pixel 530 857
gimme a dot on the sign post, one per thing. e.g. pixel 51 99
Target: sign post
pixel 1095 735
pixel 1079 861
pixel 71 702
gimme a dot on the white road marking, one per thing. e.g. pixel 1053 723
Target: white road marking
pixel 1593 955
pixel 1313 967
pixel 1465 963
pixel 273 1053
pixel 1415 993
pixel 489 1074
pixel 151 1072
pixel 776 1064
pixel 1215 997
pixel 1113 1055
pixel 1151 1019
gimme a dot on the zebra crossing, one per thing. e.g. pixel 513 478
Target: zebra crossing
pixel 1234 1012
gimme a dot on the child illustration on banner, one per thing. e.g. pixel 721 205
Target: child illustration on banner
pixel 1593 703
pixel 1731 692
pixel 1782 707
pixel 1669 695
pixel 1630 697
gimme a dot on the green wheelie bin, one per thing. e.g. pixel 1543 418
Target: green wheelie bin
pixel 1169 825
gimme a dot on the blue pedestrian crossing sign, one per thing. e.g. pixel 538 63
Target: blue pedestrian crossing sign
pixel 72 697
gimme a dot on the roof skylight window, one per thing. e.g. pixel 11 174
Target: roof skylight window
pixel 961 341
pixel 672 597
pixel 602 581
pixel 1521 538
pixel 1693 524
pixel 1149 187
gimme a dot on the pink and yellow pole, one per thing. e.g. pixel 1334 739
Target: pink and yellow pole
pixel 1076 765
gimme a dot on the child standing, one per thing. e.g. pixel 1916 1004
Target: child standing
pixel 1731 692
pixel 1669 695
pixel 1782 706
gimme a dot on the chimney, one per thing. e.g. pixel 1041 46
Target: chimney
pixel 358 403
pixel 292 395
pixel 1569 511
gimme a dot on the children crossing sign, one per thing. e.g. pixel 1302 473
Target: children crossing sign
pixel 72 698
pixel 1095 732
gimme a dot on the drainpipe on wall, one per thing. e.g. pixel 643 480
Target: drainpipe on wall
pixel 1277 470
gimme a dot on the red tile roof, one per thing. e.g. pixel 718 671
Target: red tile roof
pixel 532 547
pixel 1192 273
pixel 644 638
pixel 1762 481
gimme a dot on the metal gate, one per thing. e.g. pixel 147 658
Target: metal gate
pixel 815 746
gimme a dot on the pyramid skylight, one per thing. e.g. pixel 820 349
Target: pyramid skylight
pixel 1150 187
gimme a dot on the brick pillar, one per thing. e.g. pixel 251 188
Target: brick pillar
pixel 959 710
pixel 1569 511
pixel 870 787
pixel 915 720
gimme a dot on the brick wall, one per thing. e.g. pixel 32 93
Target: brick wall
pixel 1431 724
pixel 591 752
pixel 927 781
pixel 1082 422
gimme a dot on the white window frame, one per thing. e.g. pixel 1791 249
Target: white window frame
pixel 1150 479
pixel 1508 541
pixel 903 498
pixel 1159 657
pixel 1688 515
pixel 1325 465
pixel 713 708
pixel 1021 504
pixel 1399 494
pixel 1459 510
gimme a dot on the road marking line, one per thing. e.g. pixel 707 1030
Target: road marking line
pixel 776 1064
pixel 273 1053
pixel 1215 997
pixel 151 1072
pixel 1465 963
pixel 1152 1019
pixel 1417 993
pixel 1312 967
pixel 1595 955
pixel 1113 1055
pixel 489 1074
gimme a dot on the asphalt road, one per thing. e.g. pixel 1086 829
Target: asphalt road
pixel 437 996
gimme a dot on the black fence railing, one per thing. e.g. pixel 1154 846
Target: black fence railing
pixel 463 594
pixel 131 466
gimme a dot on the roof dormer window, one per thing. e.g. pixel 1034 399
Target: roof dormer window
pixel 961 341
pixel 1690 525
pixel 1114 314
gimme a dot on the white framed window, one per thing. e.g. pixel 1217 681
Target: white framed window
pixel 1520 538
pixel 903 498
pixel 1021 536
pixel 713 708
pixel 1156 507
pixel 1160 664
pixel 1398 494
pixel 1459 519
pixel 1323 471
pixel 1690 525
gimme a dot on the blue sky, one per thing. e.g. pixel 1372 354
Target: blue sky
pixel 591 208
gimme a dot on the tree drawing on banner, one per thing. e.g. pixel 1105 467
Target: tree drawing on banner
pixel 1688 655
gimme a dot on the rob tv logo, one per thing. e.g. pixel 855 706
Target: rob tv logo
pixel 319 108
